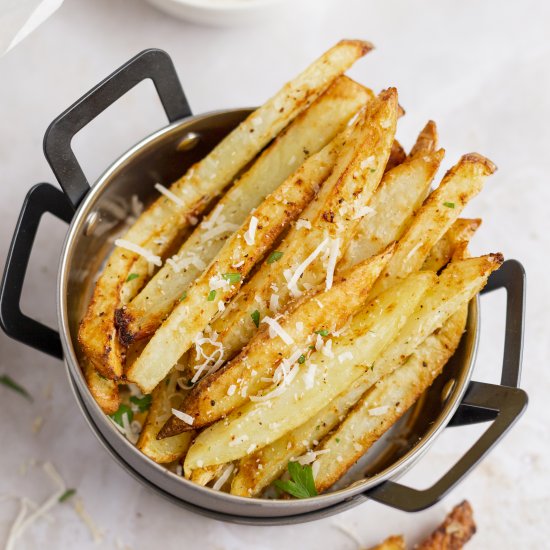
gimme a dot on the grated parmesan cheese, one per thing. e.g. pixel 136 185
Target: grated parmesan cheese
pixel 274 302
pixel 379 411
pixel 187 418
pixel 334 251
pixel 346 356
pixel 220 482
pixel 250 234
pixel 136 249
pixel 310 376
pixel 301 223
pixel 327 349
pixel 231 389
pixel 292 282
pixel 275 329
pixel 168 194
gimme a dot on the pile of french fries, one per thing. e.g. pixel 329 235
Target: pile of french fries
pixel 292 294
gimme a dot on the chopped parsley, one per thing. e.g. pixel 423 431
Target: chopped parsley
pixel 183 296
pixel 275 256
pixel 131 277
pixel 232 277
pixel 255 315
pixel 13 385
pixel 302 359
pixel 323 332
pixel 211 295
pixel 449 204
pixel 122 410
pixel 301 484
pixel 143 403
pixel 67 495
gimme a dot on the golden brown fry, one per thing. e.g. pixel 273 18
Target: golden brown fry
pixel 309 390
pixel 457 529
pixel 165 396
pixel 305 136
pixel 398 197
pixel 459 233
pixel 326 226
pixel 395 542
pixel 103 390
pixel 426 141
pixel 225 390
pixel 386 402
pixel 195 190
pixel 437 214
pixel 203 476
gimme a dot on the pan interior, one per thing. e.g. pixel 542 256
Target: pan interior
pixel 99 219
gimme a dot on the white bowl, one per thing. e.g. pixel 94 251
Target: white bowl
pixel 223 13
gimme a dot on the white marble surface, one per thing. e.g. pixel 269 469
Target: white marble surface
pixel 480 69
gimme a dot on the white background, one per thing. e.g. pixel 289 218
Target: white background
pixel 480 69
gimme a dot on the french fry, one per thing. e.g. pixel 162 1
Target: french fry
pixel 454 289
pixel 164 397
pixel 203 476
pixel 426 141
pixel 222 280
pixel 458 283
pixel 395 542
pixel 386 402
pixel 398 197
pixel 326 225
pixel 228 388
pixel 104 391
pixel 441 253
pixel 161 224
pixel 306 135
pixel 455 531
pixel 266 418
pixel 397 156
pixel 437 214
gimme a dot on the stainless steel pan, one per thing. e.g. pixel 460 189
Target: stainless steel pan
pixel 453 400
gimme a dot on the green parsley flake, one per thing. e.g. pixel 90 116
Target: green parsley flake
pixel 143 403
pixel 301 484
pixel 232 277
pixel 256 318
pixel 302 359
pixel 122 410
pixel 132 276
pixel 449 204
pixel 275 256
pixel 13 385
pixel 211 295
pixel 323 332
pixel 67 495
pixel 183 296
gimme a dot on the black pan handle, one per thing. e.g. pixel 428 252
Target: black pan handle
pixel 503 403
pixel 42 198
pixel 152 63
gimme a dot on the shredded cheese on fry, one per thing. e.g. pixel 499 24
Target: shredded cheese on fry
pixel 292 282
pixel 250 234
pixel 187 418
pixel 332 259
pixel 168 194
pixel 220 482
pixel 275 329
pixel 301 223
pixel 379 411
pixel 147 254
pixel 310 376
pixel 347 355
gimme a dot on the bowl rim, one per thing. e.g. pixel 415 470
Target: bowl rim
pixel 78 383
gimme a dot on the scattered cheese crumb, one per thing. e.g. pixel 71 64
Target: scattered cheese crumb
pixel 187 418
pixel 379 411
pixel 250 234
pixel 147 254
pixel 168 194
